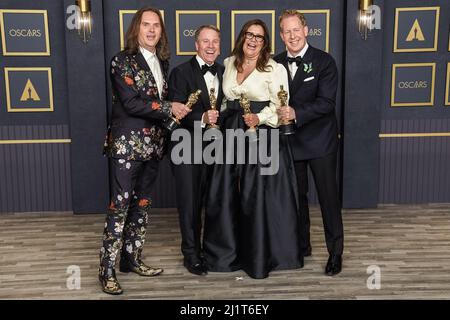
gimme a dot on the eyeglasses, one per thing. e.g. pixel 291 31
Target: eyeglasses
pixel 258 38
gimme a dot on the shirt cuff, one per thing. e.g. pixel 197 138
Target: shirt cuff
pixel 203 125
pixel 262 118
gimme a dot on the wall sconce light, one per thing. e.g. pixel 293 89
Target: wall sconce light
pixel 365 17
pixel 84 24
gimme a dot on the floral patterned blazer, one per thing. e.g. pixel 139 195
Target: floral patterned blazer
pixel 138 112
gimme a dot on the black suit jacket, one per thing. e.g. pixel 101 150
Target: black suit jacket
pixel 186 79
pixel 136 131
pixel 314 102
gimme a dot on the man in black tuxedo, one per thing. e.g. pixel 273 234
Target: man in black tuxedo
pixel 200 72
pixel 313 81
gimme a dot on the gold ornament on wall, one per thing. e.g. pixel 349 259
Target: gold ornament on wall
pixel 365 17
pixel 84 19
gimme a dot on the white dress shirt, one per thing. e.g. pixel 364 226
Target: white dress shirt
pixel 293 66
pixel 211 81
pixel 155 68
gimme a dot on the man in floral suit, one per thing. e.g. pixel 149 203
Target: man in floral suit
pixel 135 144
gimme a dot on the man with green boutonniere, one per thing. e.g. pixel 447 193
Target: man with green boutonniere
pixel 313 80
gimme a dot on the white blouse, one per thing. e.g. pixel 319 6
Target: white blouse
pixel 258 86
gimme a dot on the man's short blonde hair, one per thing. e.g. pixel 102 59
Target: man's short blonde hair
pixel 292 13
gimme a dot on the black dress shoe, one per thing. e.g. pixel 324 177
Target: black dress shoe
pixel 139 267
pixel 307 252
pixel 108 281
pixel 196 268
pixel 334 265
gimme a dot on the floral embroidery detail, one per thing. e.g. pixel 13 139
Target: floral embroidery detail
pixel 155 105
pixel 125 165
pixel 149 143
pixel 118 227
pixel 132 232
pixel 128 81
pixel 142 78
pixel 152 91
pixel 129 248
pixel 112 235
pixel 144 203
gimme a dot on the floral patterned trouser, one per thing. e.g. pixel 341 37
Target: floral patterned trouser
pixel 127 216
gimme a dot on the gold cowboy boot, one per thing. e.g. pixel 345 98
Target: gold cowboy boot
pixel 108 281
pixel 139 267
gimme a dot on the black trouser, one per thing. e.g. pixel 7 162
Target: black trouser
pixel 127 216
pixel 190 182
pixel 324 173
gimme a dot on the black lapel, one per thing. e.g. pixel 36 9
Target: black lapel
pixel 200 82
pixel 284 62
pixel 141 61
pixel 220 70
pixel 139 57
pixel 300 75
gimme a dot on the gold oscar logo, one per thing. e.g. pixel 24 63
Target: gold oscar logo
pixel 415 33
pixel 29 93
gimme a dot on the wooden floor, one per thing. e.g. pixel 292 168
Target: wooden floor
pixel 410 245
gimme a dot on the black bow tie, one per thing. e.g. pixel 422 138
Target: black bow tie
pixel 298 60
pixel 212 68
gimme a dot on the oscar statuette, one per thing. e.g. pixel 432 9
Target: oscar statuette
pixel 245 104
pixel 286 127
pixel 213 102
pixel 173 122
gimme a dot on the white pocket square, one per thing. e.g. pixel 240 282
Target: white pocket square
pixel 308 79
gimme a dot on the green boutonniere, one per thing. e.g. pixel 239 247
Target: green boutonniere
pixel 307 67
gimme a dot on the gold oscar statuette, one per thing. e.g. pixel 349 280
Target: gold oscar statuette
pixel 193 98
pixel 286 127
pixel 212 102
pixel 282 95
pixel 174 122
pixel 245 104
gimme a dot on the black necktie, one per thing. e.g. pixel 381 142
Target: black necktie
pixel 298 60
pixel 212 68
